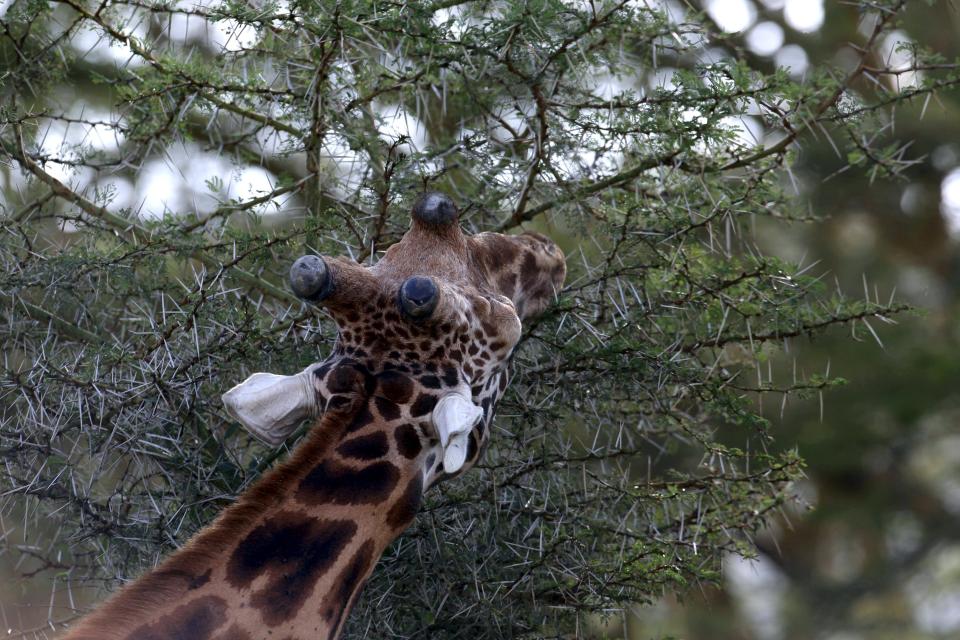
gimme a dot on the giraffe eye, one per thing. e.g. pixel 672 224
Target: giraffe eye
pixel 418 297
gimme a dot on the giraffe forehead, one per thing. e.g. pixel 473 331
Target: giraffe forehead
pixel 469 322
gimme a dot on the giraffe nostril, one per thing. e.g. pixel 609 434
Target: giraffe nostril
pixel 310 278
pixel 435 208
pixel 418 297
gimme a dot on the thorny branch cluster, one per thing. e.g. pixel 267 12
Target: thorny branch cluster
pixel 163 161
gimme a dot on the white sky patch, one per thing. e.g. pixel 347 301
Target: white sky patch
pixel 104 137
pixel 773 5
pixel 452 19
pixel 899 60
pixel 662 78
pixel 346 167
pixel 748 130
pixel 394 123
pixel 249 182
pixel 794 58
pixel 713 55
pixel 804 16
pixel 758 587
pixel 903 534
pixel 230 35
pixel 4 5
pixel 673 10
pixel 605 85
pixel 279 144
pixel 59 139
pixel 511 121
pixel 114 192
pixel 693 115
pixel 911 200
pixel 183 29
pixel 160 189
pixel 593 155
pixel 12 179
pixel 188 180
pixel 936 463
pixel 934 593
pixel 343 82
pixel 96 47
pixel 56 142
pixel 945 157
pixel 280 7
pixel 510 179
pixel 732 15
pixel 868 22
pixel 950 201
pixel 766 38
pixel 104 134
pixel 220 35
pixel 276 143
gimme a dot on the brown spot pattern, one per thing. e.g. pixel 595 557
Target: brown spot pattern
pixel 369 447
pixel 529 270
pixel 424 404
pixel 394 386
pixel 508 284
pixel 293 551
pixel 337 600
pixel 405 509
pixel 198 581
pixel 343 379
pixel 195 620
pixel 389 410
pixel 165 576
pixel 333 483
pixel 408 442
pixel 363 418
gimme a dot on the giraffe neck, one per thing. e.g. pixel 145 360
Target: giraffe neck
pixel 288 559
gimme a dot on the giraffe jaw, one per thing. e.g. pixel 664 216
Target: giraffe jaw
pixel 270 406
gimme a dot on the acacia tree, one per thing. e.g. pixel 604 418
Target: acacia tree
pixel 164 161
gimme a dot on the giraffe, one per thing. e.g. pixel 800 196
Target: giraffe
pixel 405 400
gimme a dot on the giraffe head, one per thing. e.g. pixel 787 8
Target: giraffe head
pixel 426 333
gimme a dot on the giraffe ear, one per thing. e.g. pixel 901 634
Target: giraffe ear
pixel 454 417
pixel 271 406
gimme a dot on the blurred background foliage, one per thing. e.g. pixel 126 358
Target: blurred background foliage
pixel 748 192
pixel 877 553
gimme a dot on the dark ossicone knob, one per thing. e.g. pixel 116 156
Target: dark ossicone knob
pixel 418 297
pixel 435 208
pixel 310 279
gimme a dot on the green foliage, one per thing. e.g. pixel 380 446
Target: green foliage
pixel 628 454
